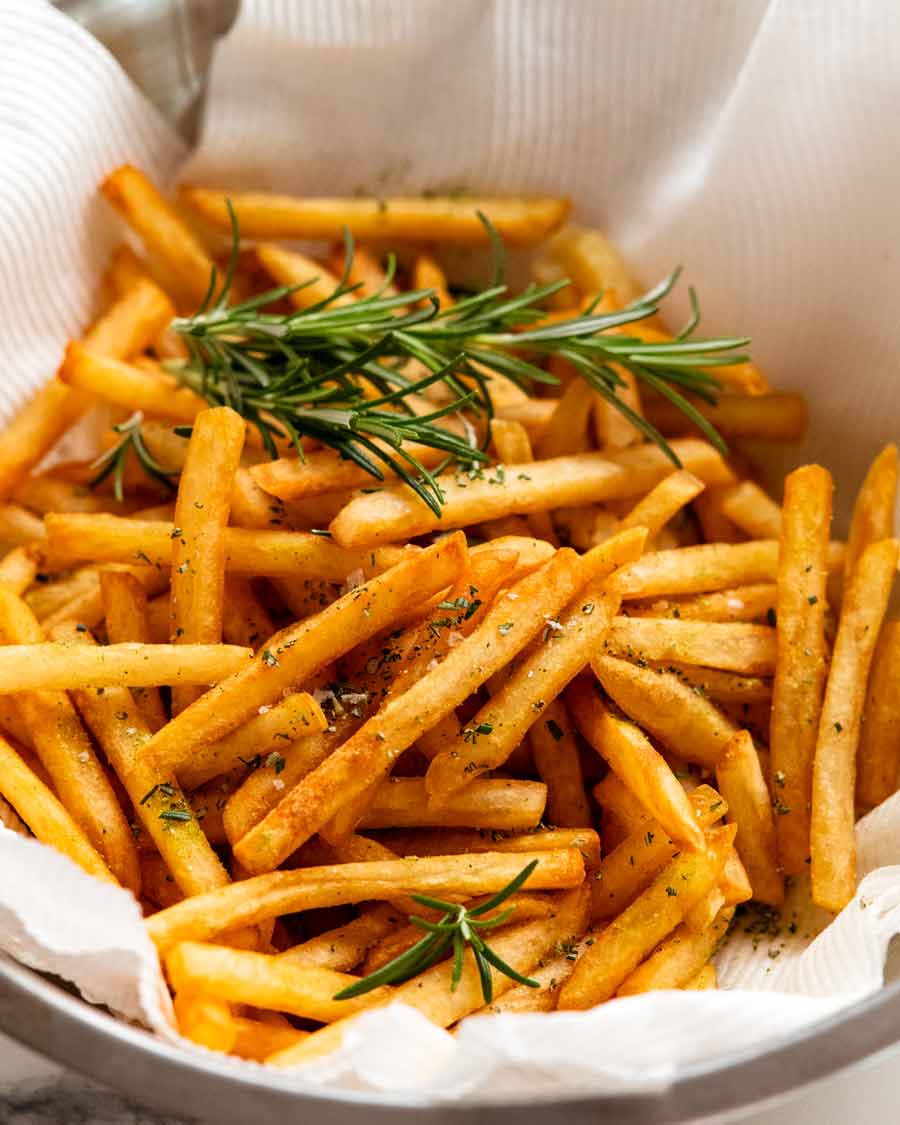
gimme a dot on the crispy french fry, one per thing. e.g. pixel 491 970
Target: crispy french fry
pixel 720 687
pixel 447 841
pixel 740 780
pixel 313 280
pixel 715 525
pixel 157 882
pixel 298 652
pixel 568 429
pixel 873 512
pixel 520 221
pixel 265 735
pixel 127 385
pixel 592 262
pixel 623 813
pixel 18 569
pixel 699 917
pixel 753 510
pixel 679 959
pixel 198 540
pixel 556 759
pixel 833 845
pixel 369 754
pixel 734 647
pixel 47 493
pixel 631 757
pixel 427 274
pixel 772 417
pixel 513 447
pixel 620 948
pixel 205 1020
pixel 45 815
pixel 585 478
pixel 57 666
pixel 400 802
pixel 10 819
pixel 666 707
pixel 183 264
pixel 502 723
pixel 879 745
pixel 19 527
pixel 287 554
pixel 705 979
pixel 800 662
pixel 743 603
pixel 343 948
pixel 256 1040
pixel 363 271
pixel 663 502
pixel 125 610
pixel 735 882
pixel 283 892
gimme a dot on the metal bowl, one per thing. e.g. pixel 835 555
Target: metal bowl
pixel 44 1016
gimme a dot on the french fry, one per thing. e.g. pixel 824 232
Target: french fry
pixel 244 977
pixel 363 271
pixel 198 543
pixel 568 429
pixel 266 734
pixel 47 493
pixel 18 569
pixel 740 780
pixel 532 413
pixel 427 274
pixel 623 813
pixel 369 754
pixel 704 980
pixel 183 264
pixel 556 759
pixel 45 815
pixel 720 687
pixel 57 666
pixel 313 280
pixel 125 610
pixel 396 513
pixel 800 662
pixel 879 744
pixel 65 749
pixel 205 1020
pixel 630 937
pixel 299 651
pixel 663 502
pixel 833 845
pixel 520 221
pixel 592 262
pixel 772 417
pixel 256 1040
pixel 873 512
pixel 513 447
pixel 448 841
pixel 667 708
pixel 11 820
pixel 699 917
pixel 284 892
pixel 632 758
pixel 127 385
pixel 113 718
pixel 734 647
pixel 753 511
pixel 679 959
pixel 400 802
pixel 632 866
pixel 522 947
pixel 502 723
pixel 287 554
pixel 343 948
pixel 157 883
pixel 743 603
pixel 714 524
pixel 19 527
pixel 735 882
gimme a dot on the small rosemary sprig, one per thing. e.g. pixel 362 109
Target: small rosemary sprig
pixel 311 372
pixel 114 459
pixel 457 928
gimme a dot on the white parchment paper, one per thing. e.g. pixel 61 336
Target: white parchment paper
pixel 754 143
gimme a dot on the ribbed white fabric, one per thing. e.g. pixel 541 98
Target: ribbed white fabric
pixel 753 142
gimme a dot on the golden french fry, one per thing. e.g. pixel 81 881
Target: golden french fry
pixel 800 662
pixel 48 493
pixel 198 540
pixel 740 780
pixel 735 647
pixel 127 385
pixel 427 274
pixel 679 959
pixel 19 527
pixel 448 841
pixel 666 707
pixel 206 1020
pixel 634 761
pixel 299 651
pixel 833 844
pixel 568 429
pixel 705 979
pixel 772 417
pixel 369 754
pixel 125 610
pixel 325 471
pixel 520 221
pixel 550 976
pixel 400 802
pixel 158 884
pixel 183 264
pixel 873 512
pixel 18 569
pixel 502 723
pixel 343 948
pixel 743 603
pixel 620 948
pixel 313 280
pixel 556 759
pixel 10 819
pixel 285 892
pixel 753 510
pixel 663 502
pixel 879 744
pixel 592 262
pixel 720 687
pixel 256 1040
pixel 623 814
pixel 513 447
pixel 45 815
pixel 585 478
pixel 363 271
pixel 288 554
pixel 699 917
pixel 714 524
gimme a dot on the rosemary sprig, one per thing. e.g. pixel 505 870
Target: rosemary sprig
pixel 457 928
pixel 113 460
pixel 310 372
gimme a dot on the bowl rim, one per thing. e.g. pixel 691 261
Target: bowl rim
pixel 40 1014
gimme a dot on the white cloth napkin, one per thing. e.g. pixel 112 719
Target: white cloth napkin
pixel 753 143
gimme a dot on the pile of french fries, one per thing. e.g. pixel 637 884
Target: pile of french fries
pixel 669 689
